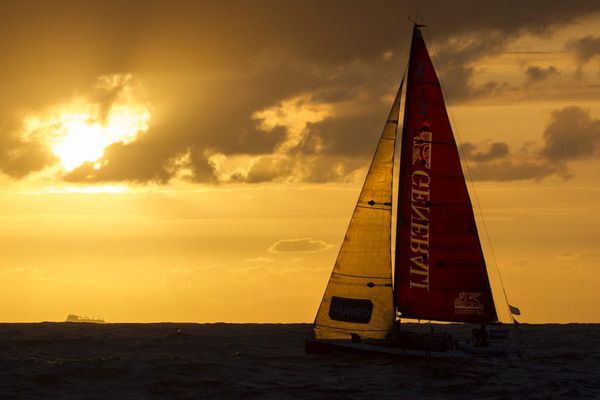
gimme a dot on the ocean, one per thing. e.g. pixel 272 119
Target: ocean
pixel 267 361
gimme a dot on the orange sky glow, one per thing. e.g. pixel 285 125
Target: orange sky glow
pixel 200 162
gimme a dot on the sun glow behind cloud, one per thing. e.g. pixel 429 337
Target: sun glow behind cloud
pixel 80 131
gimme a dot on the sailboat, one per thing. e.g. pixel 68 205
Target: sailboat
pixel 440 272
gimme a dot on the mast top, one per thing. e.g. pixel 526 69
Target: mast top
pixel 416 23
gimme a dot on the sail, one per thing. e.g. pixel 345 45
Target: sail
pixel 358 298
pixel 440 271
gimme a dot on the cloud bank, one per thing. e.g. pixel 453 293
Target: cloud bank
pixel 229 84
pixel 570 135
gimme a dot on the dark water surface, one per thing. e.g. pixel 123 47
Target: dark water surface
pixel 267 361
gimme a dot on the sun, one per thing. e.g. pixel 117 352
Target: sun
pixel 82 141
pixel 80 131
pixel 80 137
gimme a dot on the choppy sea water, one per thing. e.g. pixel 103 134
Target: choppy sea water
pixel 267 361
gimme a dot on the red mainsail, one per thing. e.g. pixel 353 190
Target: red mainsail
pixel 440 268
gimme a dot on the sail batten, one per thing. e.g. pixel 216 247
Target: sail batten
pixel 440 270
pixel 387 278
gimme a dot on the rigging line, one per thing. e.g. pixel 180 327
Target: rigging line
pixel 472 184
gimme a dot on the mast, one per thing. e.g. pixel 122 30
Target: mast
pixel 440 270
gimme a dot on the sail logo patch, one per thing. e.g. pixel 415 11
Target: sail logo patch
pixel 468 303
pixel 422 149
pixel 420 210
pixel 350 310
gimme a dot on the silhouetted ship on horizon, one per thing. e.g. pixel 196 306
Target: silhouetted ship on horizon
pixel 79 318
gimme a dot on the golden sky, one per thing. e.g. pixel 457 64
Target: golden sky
pixel 199 161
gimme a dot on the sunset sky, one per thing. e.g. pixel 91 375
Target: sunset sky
pixel 200 160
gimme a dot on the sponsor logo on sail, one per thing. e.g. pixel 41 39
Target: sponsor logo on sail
pixel 422 149
pixel 350 310
pixel 420 207
pixel 468 303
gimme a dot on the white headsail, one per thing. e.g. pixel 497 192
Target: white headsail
pixel 358 298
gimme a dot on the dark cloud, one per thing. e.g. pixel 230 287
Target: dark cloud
pixel 268 169
pixel 217 118
pixel 303 168
pixel 351 136
pixel 215 115
pixel 137 162
pixel 112 36
pixel 457 54
pixel 496 150
pixel 494 161
pixel 335 169
pixel 571 135
pixel 536 73
pixel 517 169
pixel 19 157
pixel 208 66
pixel 585 48
pixel 469 31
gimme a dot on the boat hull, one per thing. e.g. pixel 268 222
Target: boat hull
pixel 493 350
pixel 313 346
pixel 501 350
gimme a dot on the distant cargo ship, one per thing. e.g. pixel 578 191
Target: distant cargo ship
pixel 78 318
